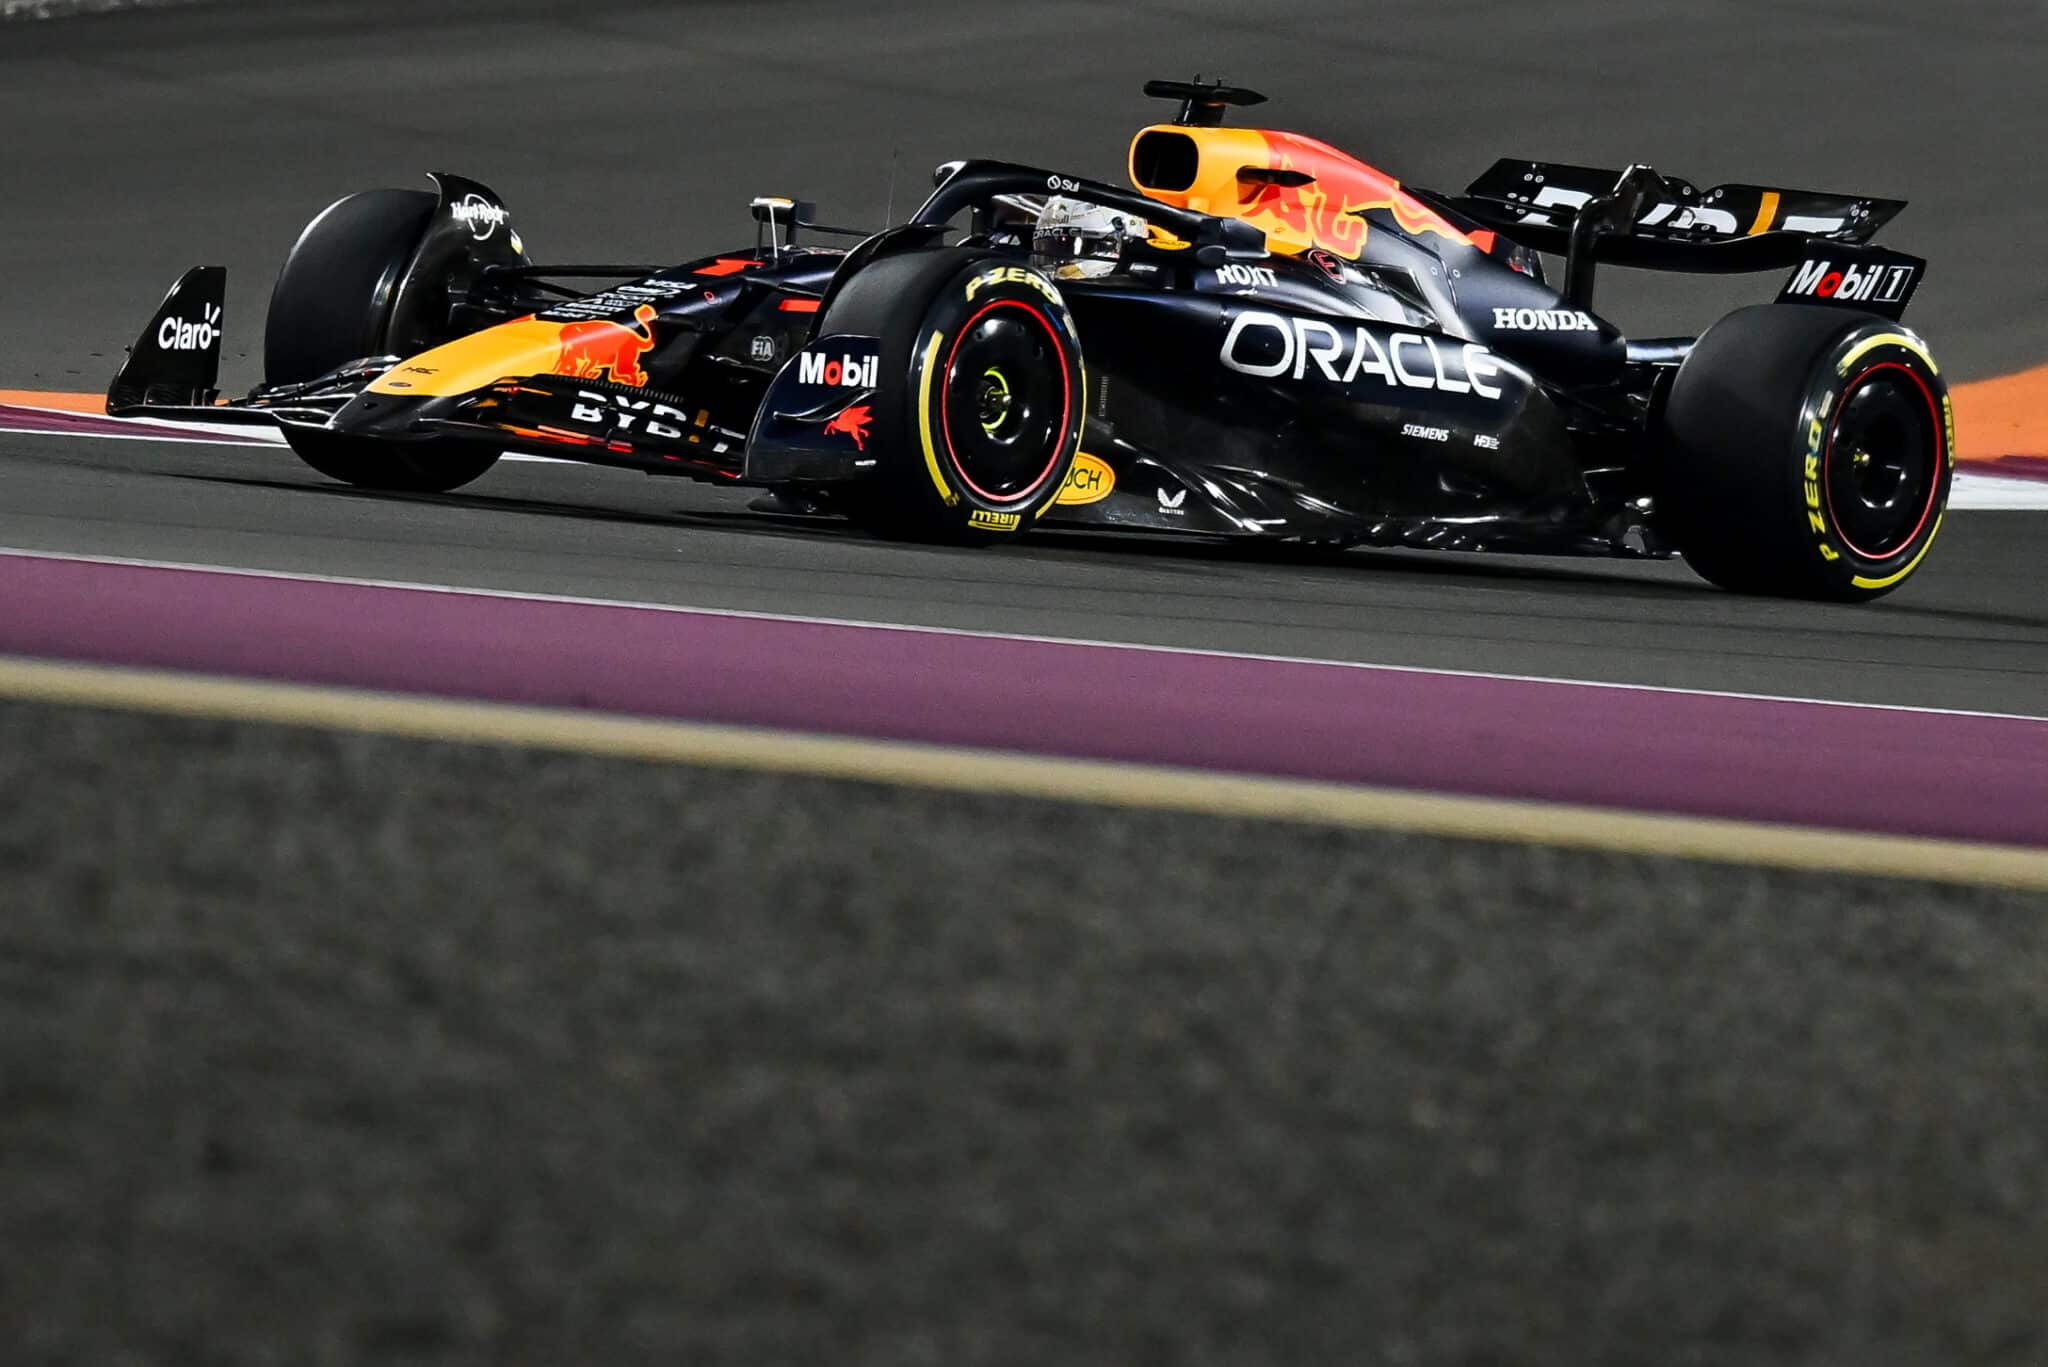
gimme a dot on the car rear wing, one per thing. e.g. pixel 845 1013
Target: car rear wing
pixel 1640 218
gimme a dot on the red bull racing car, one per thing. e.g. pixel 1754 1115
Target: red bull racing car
pixel 1263 337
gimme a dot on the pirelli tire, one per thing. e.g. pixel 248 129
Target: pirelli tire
pixel 1805 452
pixel 425 467
pixel 982 396
pixel 332 303
pixel 333 296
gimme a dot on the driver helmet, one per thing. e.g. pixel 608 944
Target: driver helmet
pixel 1076 240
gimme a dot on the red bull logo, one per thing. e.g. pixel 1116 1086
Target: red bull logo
pixel 1306 214
pixel 1305 195
pixel 853 423
pixel 1329 211
pixel 592 350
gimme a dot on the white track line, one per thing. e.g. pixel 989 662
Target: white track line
pixel 1136 647
pixel 1994 493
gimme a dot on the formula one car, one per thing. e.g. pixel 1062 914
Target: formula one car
pixel 1280 341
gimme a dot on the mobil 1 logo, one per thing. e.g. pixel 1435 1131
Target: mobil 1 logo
pixel 1867 278
pixel 834 366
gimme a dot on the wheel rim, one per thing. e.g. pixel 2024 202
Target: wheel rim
pixel 998 403
pixel 1005 401
pixel 1883 463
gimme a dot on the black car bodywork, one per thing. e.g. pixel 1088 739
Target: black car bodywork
pixel 1328 356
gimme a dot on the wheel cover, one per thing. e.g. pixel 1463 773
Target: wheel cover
pixel 1005 401
pixel 998 403
pixel 1882 470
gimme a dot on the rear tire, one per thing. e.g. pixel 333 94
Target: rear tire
pixel 333 304
pixel 983 396
pixel 1805 452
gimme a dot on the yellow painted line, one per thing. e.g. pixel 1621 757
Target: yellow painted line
pixel 943 768
pixel 1766 211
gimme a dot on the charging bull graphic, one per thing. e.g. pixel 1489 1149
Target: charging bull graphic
pixel 589 350
pixel 1306 213
pixel 1327 210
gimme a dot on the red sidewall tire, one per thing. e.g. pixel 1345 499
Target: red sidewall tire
pixel 1806 452
pixel 993 397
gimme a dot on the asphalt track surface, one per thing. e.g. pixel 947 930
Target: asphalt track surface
pixel 323 1047
pixel 1970 632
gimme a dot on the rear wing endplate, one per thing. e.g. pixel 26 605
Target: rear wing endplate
pixel 1868 279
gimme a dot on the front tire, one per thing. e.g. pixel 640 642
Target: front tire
pixel 333 304
pixel 332 301
pixel 1806 452
pixel 980 431
pixel 428 467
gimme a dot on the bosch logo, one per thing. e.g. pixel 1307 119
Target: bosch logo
pixel 479 215
pixel 1060 185
pixel 178 335
pixel 1089 480
pixel 849 372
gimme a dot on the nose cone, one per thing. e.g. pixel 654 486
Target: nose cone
pixel 372 414
pixel 525 346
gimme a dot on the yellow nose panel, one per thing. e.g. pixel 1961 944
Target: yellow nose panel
pixel 525 347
